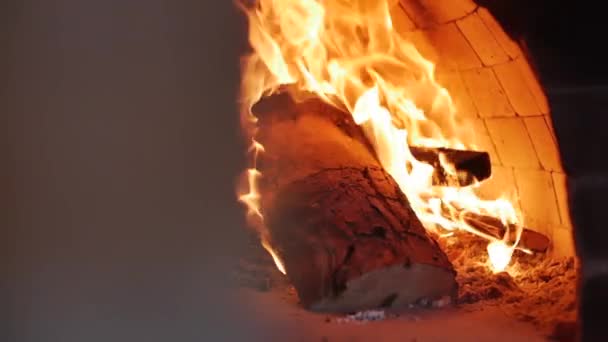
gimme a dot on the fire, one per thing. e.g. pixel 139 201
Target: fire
pixel 252 200
pixel 499 255
pixel 347 53
pixel 252 197
pixel 275 257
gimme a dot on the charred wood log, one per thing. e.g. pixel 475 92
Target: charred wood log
pixel 530 239
pixel 345 232
pixel 468 166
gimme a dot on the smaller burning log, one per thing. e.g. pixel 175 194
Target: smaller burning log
pixel 530 239
pixel 466 167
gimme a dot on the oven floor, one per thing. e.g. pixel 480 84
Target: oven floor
pixel 538 303
pixel 279 318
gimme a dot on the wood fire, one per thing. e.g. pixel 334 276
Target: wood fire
pixel 363 170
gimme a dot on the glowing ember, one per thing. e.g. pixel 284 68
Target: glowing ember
pixel 499 255
pixel 348 54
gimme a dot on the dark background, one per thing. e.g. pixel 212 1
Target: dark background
pixel 122 152
pixel 121 148
pixel 567 39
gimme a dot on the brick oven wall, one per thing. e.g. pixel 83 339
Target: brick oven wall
pixel 494 86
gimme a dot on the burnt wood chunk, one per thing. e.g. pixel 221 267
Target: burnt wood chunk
pixel 469 166
pixel 530 239
pixel 346 233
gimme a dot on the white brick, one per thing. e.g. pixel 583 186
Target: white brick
pixel 537 199
pixel 533 84
pixel 422 43
pixel 487 93
pixel 454 50
pixel 517 90
pixel 401 21
pixel 563 242
pixel 561 191
pixel 427 13
pixel 452 81
pixel 483 141
pixel 507 43
pixel 482 40
pixel 545 146
pixel 501 184
pixel 512 142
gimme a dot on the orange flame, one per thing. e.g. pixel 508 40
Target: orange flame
pixel 348 54
pixel 251 199
pixel 499 255
pixel 275 257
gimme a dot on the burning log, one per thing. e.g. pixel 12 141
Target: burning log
pixel 468 166
pixel 531 240
pixel 344 231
